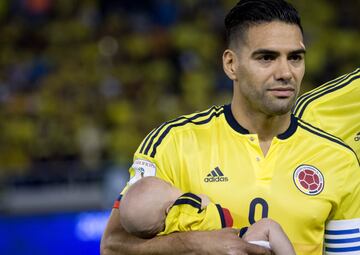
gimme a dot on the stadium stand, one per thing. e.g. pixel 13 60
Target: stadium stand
pixel 82 82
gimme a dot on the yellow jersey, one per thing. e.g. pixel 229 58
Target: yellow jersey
pixel 186 214
pixel 307 178
pixel 335 108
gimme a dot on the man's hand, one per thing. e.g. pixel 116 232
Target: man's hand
pixel 225 242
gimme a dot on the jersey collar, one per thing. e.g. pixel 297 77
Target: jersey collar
pixel 240 129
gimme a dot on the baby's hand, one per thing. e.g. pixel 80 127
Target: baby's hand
pixel 260 230
pixel 268 232
pixel 258 233
pixel 205 200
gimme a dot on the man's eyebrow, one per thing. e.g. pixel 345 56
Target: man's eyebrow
pixel 273 52
pixel 264 52
pixel 299 51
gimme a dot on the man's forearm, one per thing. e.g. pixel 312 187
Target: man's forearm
pixel 116 241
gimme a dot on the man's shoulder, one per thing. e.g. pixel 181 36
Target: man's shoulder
pixel 179 129
pixel 191 121
pixel 318 138
pixel 337 92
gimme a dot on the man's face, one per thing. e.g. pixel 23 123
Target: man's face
pixel 270 67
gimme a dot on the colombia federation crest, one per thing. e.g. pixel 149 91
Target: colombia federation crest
pixel 308 180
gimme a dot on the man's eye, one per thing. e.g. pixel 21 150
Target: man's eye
pixel 295 58
pixel 267 58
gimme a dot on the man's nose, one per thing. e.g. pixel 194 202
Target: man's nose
pixel 283 71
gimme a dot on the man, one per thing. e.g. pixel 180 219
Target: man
pixel 335 108
pixel 253 157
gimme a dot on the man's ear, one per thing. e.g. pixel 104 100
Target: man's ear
pixel 229 63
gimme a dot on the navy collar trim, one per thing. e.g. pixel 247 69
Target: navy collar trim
pixel 240 129
pixel 291 129
pixel 232 121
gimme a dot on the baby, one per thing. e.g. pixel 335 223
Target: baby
pixel 153 207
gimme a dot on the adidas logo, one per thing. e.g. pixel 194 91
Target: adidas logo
pixel 216 176
pixel 357 137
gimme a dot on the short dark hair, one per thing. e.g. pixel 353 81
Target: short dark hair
pixel 252 12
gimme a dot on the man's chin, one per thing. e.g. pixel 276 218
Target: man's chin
pixel 279 110
pixel 279 107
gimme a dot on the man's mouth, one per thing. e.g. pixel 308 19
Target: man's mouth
pixel 282 92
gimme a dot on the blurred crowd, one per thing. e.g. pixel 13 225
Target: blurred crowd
pixel 83 81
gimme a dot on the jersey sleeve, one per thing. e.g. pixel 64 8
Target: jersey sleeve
pixel 342 237
pixel 310 115
pixel 349 206
pixel 342 231
pixel 186 215
pixel 161 164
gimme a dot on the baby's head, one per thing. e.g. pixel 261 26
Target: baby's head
pixel 143 207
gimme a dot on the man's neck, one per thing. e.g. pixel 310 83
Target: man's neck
pixel 265 126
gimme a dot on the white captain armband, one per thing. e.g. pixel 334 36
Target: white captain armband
pixel 342 237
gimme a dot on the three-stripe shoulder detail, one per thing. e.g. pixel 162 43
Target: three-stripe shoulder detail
pixel 306 126
pixel 154 139
pixel 331 86
pixel 189 199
